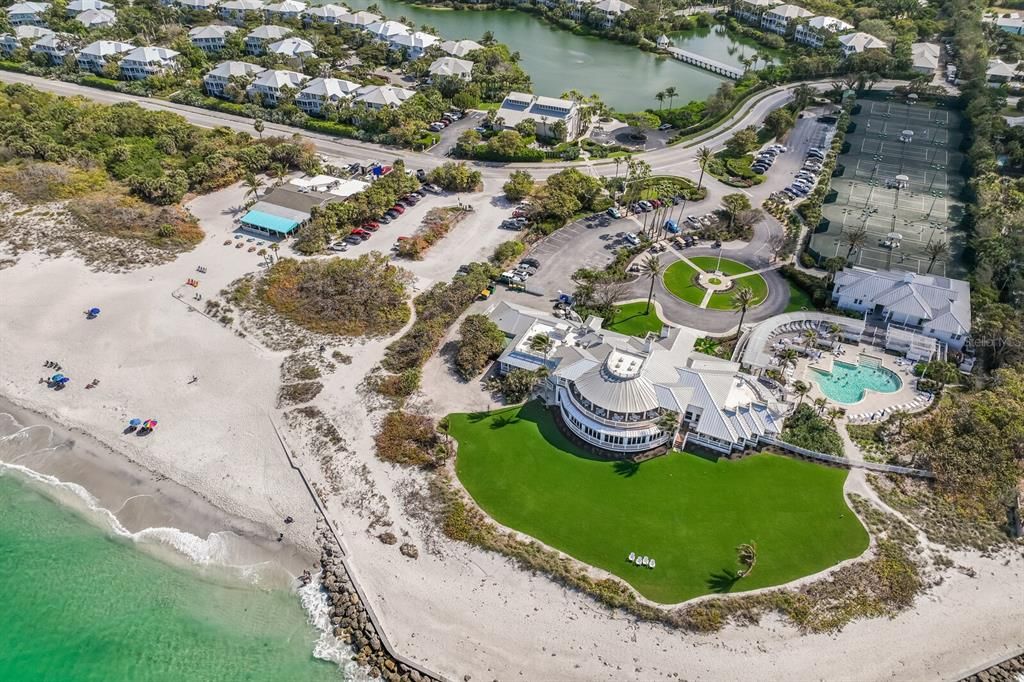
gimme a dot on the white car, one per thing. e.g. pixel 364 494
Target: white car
pixel 632 239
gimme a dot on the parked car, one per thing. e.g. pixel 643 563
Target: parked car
pixel 646 205
pixel 665 126
pixel 399 208
pixel 532 262
pixel 371 226
pixel 361 233
pixel 421 175
pixel 392 214
pixel 632 239
pixel 614 212
pixel 433 189
pixel 385 219
pixel 353 239
pixel 435 127
pixel 656 203
pixel 338 247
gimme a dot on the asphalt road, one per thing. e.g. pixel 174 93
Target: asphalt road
pixel 677 159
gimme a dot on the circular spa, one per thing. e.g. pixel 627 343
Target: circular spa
pixel 848 383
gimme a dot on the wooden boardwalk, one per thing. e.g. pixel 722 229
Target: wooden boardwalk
pixel 706 64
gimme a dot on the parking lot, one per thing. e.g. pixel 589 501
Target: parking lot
pixel 582 244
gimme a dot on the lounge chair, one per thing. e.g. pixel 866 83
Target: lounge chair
pixel 638 560
pixel 652 563
pixel 632 556
pixel 646 561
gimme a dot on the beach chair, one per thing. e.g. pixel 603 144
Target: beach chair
pixel 638 560
pixel 646 561
pixel 652 563
pixel 632 556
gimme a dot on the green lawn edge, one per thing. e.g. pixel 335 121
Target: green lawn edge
pixel 686 511
pixel 633 319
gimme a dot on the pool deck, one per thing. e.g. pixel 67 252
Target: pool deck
pixel 873 402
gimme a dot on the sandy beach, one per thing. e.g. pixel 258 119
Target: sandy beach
pixel 458 610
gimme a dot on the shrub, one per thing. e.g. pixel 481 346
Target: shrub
pixel 519 185
pixel 508 251
pixel 456 177
pixel 410 440
pixel 806 429
pixel 480 342
pixel 349 297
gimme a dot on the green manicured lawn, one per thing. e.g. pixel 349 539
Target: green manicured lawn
pixel 679 280
pixel 687 512
pixel 798 300
pixel 728 267
pixel 723 301
pixel 632 320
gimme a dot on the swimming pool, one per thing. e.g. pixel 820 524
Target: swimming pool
pixel 846 383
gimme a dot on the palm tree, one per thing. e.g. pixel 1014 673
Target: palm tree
pixel 746 62
pixel 661 99
pixel 252 185
pixel 810 337
pixel 651 268
pixel 275 247
pixel 834 413
pixel 542 343
pixel 741 300
pixel 936 250
pixel 854 239
pixel 257 125
pixel 703 156
pixel 747 555
pixel 801 388
pixel 671 93
pixel 278 172
pixel 802 96
pixel 789 356
pixel 834 329
pixel 832 266
pixel 820 404
pixel 706 345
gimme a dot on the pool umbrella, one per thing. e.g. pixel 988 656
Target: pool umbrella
pixel 63 380
pixel 94 311
pixel 56 378
pixel 134 422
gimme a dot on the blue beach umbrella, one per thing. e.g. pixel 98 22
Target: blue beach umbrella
pixel 63 380
pixel 135 422
pixel 94 311
pixel 56 378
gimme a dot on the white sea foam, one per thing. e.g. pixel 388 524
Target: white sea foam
pixel 328 647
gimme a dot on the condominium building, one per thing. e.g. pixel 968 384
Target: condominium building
pixel 22 36
pixel 211 38
pixel 459 48
pixel 144 62
pixel 414 44
pixel 96 18
pixel 76 7
pixel 239 10
pixel 382 96
pixel 257 40
pixel 218 78
pixel 27 13
pixel 56 46
pixel 325 14
pixel 450 66
pixel 855 43
pixel 751 11
pixel 321 91
pixel 288 9
pixel 268 85
pixel 780 19
pixel 96 55
pixel 816 30
pixel 294 51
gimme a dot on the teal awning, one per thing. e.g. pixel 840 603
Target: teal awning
pixel 266 221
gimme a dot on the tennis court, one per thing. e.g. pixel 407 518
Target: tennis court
pixel 899 179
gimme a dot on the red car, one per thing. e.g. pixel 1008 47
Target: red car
pixel 656 203
pixel 361 233
pixel 399 208
pixel 371 226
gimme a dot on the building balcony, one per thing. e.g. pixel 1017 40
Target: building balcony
pixel 620 420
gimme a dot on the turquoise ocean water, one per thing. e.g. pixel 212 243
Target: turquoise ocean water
pixel 80 603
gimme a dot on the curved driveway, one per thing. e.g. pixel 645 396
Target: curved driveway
pixel 720 322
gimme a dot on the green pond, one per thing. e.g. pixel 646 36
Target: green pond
pixel 625 77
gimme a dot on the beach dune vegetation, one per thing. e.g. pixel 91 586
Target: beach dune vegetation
pixel 365 296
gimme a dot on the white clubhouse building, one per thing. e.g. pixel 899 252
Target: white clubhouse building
pixel 613 391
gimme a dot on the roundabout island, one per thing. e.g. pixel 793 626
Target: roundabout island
pixel 711 282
